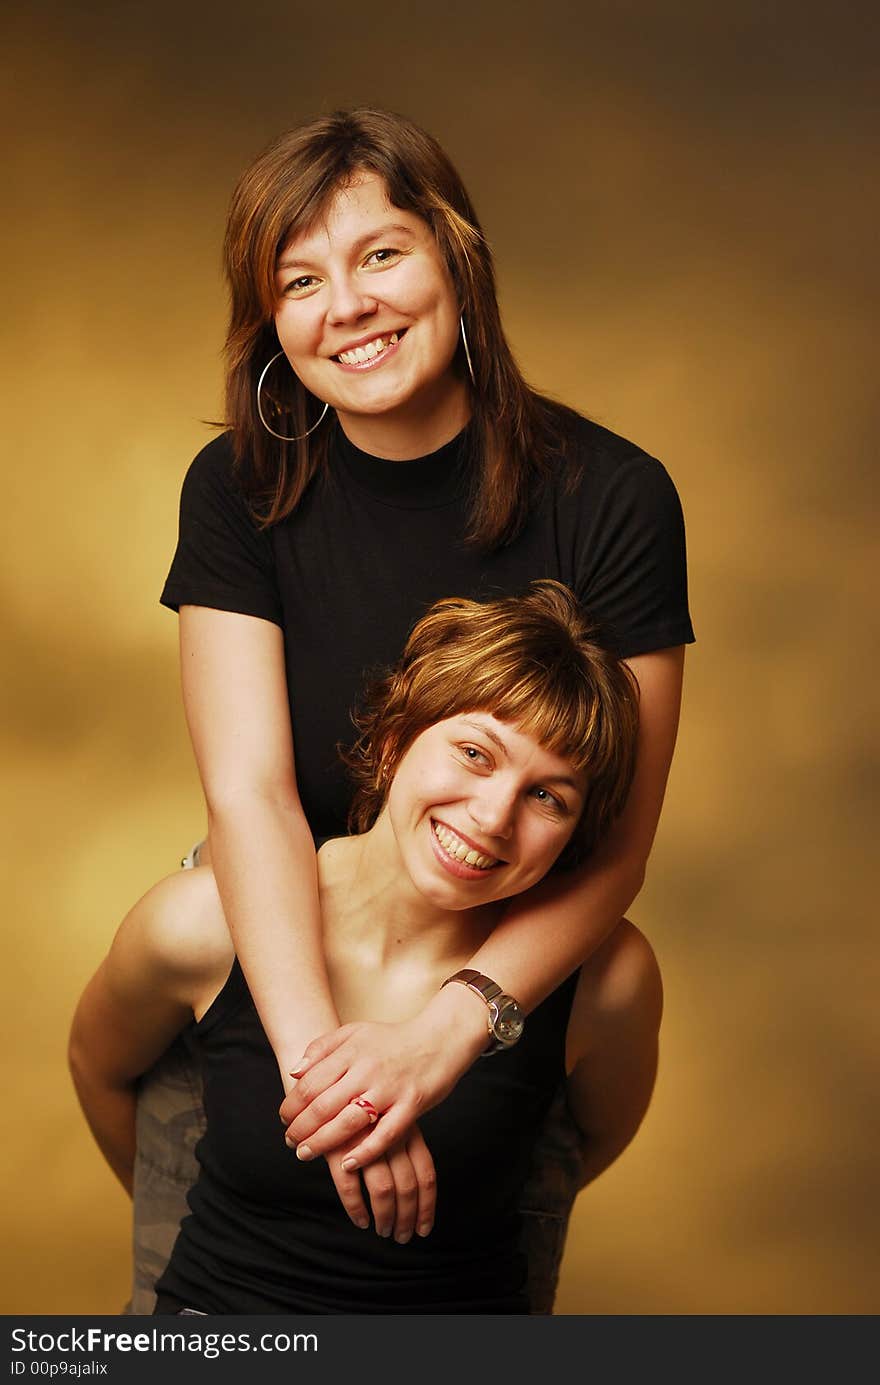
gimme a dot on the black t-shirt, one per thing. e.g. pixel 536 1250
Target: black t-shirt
pixel 374 543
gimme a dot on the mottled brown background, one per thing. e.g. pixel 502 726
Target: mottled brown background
pixel 681 199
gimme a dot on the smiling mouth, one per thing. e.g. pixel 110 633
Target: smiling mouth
pixel 461 851
pixel 371 351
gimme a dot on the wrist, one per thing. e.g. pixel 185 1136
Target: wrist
pixel 504 1018
pixel 459 1017
pixel 300 1026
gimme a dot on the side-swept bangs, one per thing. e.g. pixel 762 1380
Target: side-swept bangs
pixel 535 661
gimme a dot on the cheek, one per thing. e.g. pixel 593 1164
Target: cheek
pixel 432 293
pixel 545 848
pixel 295 332
pixel 419 788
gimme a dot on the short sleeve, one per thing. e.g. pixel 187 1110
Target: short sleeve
pixel 633 570
pixel 223 559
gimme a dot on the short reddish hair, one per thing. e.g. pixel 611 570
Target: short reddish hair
pixel 536 661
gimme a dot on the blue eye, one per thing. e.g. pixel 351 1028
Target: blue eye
pixel 473 755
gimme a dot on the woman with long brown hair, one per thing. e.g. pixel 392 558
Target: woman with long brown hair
pixel 384 451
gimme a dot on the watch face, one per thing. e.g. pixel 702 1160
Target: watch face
pixel 509 1022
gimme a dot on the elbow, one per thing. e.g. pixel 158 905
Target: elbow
pixel 631 874
pixel 638 875
pixel 78 1064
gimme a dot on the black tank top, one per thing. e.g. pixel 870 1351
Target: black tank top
pixel 267 1234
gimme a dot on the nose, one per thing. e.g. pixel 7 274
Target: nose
pixel 348 302
pixel 492 809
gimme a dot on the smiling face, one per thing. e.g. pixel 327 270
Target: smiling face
pixel 368 316
pixel 480 811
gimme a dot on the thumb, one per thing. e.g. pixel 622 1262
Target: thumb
pixel 319 1048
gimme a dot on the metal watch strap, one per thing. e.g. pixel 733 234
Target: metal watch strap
pixel 487 989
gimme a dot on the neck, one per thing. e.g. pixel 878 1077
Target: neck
pixel 369 902
pixel 423 425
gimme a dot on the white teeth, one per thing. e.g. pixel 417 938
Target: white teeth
pixel 455 847
pixel 369 352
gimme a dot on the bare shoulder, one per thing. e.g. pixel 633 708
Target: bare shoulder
pixel 619 987
pixel 175 937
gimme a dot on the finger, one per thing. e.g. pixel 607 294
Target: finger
pixel 322 1047
pixel 379 1183
pixel 348 1186
pixel 356 1116
pixel 310 1103
pixel 406 1193
pixel 426 1182
pixel 389 1130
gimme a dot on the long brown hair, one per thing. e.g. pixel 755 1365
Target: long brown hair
pixel 534 660
pixel 514 431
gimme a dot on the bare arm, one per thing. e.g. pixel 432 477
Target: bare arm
pixel 263 858
pixel 575 915
pixel 612 1047
pixel 139 999
pixel 543 937
pixel 262 851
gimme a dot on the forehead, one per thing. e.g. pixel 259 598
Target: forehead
pixel 357 207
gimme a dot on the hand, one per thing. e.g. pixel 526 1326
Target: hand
pixel 402 1188
pixel 402 1069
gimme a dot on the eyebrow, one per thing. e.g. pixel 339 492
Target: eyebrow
pixel 291 261
pixel 496 740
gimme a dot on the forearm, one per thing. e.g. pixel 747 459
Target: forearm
pixel 548 932
pixel 263 858
pixel 110 1113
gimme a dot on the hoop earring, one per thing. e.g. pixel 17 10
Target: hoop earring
pixel 299 436
pixel 467 353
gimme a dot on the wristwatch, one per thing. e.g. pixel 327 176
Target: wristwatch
pixel 506 1019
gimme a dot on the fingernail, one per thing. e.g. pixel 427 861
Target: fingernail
pixel 290 1141
pixel 349 1164
pixel 303 1152
pixel 383 1230
pixel 424 1229
pixel 362 1222
pixel 403 1238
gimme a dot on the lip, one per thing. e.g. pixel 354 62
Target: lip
pixel 458 868
pixel 377 360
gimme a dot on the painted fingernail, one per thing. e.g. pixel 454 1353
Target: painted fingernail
pixel 349 1164
pixel 303 1152
pixel 425 1228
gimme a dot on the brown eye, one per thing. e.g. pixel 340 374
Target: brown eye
pixel 300 285
pixel 382 257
